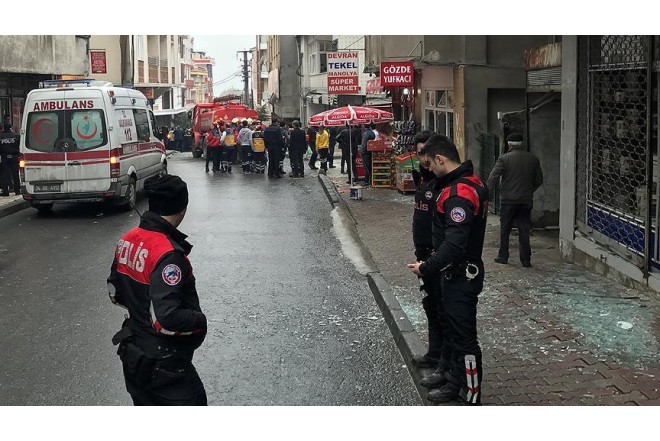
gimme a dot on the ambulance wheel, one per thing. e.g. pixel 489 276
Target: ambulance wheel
pixel 196 153
pixel 128 201
pixel 43 208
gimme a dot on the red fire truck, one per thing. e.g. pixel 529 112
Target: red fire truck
pixel 205 114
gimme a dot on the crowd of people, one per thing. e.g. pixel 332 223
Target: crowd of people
pixel 262 150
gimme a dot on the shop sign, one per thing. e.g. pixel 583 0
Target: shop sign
pixel 373 87
pixel 397 74
pixel 98 62
pixel 343 73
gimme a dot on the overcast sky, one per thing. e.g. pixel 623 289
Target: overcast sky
pixel 223 48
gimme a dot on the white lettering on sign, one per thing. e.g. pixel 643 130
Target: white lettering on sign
pixel 343 73
pixel 62 105
pixel 397 78
pixel 401 69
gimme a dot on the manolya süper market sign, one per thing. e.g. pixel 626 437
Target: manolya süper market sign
pixel 397 74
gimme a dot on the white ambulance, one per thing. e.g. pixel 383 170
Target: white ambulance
pixel 84 141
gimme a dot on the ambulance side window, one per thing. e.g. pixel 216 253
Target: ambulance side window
pixel 152 120
pixel 142 124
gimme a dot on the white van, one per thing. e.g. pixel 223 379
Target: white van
pixel 84 141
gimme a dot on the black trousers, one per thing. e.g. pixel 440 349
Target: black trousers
pixel 9 174
pixel 323 154
pixel 313 157
pixel 282 156
pixel 435 313
pixel 460 298
pixel 366 160
pixel 213 154
pixel 274 161
pixel 520 213
pixel 166 386
pixel 246 156
pixel 228 157
pixel 297 161
pixel 331 155
pixel 345 159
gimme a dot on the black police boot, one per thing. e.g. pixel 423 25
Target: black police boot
pixel 445 394
pixel 435 380
pixel 425 361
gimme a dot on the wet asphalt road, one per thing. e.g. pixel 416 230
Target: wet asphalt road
pixel 291 322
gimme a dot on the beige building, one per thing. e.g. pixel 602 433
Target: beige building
pixel 25 60
pixel 160 66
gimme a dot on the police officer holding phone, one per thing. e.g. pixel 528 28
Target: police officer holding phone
pixel 459 226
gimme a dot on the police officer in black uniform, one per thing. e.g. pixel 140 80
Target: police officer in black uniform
pixel 152 277
pixel 459 227
pixel 425 193
pixel 274 140
pixel 9 152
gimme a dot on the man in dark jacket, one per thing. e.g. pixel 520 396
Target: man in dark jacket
pixel 367 135
pixel 520 173
pixel 426 192
pixel 297 148
pixel 178 138
pixel 152 277
pixel 459 229
pixel 274 140
pixel 9 152
pixel 311 134
pixel 349 140
pixel 333 131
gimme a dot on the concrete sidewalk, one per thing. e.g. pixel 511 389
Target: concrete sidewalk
pixel 555 333
pixel 12 204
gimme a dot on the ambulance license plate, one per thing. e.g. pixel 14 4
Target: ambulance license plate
pixel 48 188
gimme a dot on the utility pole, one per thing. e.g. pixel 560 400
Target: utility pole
pixel 246 93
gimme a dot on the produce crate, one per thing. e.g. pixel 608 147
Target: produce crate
pixel 381 169
pixel 405 164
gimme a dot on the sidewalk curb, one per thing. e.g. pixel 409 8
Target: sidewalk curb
pixel 13 207
pixel 406 338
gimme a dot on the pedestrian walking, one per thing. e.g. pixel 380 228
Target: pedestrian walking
pixel 322 147
pixel 520 175
pixel 285 135
pixel 228 143
pixel 297 148
pixel 369 134
pixel 459 228
pixel 9 152
pixel 152 277
pixel 274 143
pixel 258 150
pixel 426 192
pixel 333 131
pixel 213 147
pixel 311 141
pixel 245 141
pixel 349 140
pixel 178 138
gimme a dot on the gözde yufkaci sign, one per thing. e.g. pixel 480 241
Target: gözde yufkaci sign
pixel 397 74
pixel 343 73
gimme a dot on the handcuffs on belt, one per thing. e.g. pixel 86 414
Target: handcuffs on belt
pixel 471 271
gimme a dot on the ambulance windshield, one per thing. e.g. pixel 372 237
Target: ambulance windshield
pixel 65 130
